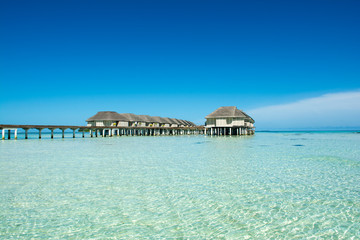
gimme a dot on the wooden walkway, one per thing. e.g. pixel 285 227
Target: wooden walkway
pixel 102 130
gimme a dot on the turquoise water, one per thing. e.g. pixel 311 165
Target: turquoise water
pixel 271 185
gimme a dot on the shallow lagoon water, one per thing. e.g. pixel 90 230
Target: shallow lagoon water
pixel 272 185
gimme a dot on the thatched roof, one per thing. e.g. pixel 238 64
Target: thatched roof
pixel 248 118
pixel 183 122
pixel 157 119
pixel 187 122
pixel 146 118
pixel 165 120
pixel 176 121
pixel 107 116
pixel 173 121
pixel 168 120
pixel 130 117
pixel 226 112
pixel 230 112
pixel 180 122
pixel 190 123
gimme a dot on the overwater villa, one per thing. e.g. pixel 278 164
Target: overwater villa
pixel 111 118
pixel 229 121
pixel 223 121
pixel 132 124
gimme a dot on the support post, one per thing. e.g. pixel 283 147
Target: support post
pixel 73 132
pixel 39 132
pixel 15 133
pixel 63 133
pixel 9 132
pixel 3 134
pixel 52 133
pixel 26 133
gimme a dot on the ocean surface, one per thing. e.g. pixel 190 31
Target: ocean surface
pixel 283 185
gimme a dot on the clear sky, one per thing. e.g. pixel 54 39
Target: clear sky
pixel 62 61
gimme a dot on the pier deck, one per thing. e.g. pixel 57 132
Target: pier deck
pixel 103 130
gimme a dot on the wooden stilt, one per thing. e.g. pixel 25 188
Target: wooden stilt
pixel 39 132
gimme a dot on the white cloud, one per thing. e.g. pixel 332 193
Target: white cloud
pixel 329 110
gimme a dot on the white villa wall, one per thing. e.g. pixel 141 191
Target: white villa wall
pixel 99 123
pixel 108 123
pixel 223 122
pixel 123 124
pixel 238 122
pixel 210 122
pixel 248 124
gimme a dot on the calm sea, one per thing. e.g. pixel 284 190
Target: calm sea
pixel 268 186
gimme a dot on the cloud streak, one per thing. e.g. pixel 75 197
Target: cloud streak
pixel 335 110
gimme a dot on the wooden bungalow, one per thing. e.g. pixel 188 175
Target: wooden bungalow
pixel 174 123
pixel 114 119
pixel 177 122
pixel 107 118
pixel 229 121
pixel 146 120
pixel 156 121
pixel 165 122
pixel 133 119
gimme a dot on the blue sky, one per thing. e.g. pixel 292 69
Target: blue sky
pixel 62 61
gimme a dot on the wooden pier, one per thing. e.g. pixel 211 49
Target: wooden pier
pixel 97 131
